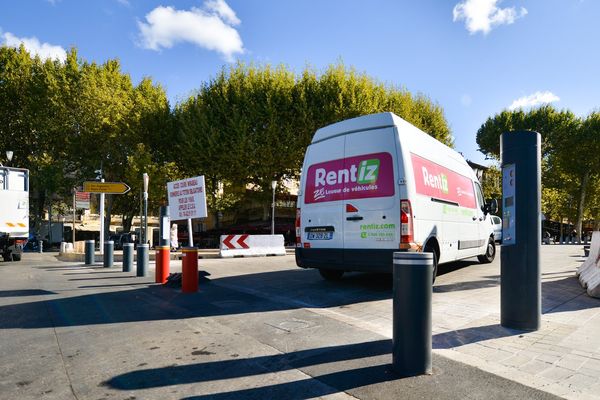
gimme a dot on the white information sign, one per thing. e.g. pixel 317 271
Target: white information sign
pixel 187 199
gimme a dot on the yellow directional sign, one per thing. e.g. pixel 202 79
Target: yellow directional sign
pixel 105 187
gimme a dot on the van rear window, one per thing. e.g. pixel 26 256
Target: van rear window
pixel 439 182
pixel 359 177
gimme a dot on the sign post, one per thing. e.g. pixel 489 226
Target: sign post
pixel 187 200
pixel 104 188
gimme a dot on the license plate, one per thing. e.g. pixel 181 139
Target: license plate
pixel 320 235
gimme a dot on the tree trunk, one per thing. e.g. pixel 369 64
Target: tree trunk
pixel 127 221
pixel 584 182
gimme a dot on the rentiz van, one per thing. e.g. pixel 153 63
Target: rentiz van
pixel 376 184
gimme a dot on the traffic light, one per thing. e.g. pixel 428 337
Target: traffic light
pixel 98 173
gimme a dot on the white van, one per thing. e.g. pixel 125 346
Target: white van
pixel 376 184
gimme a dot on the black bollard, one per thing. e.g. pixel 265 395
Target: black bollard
pixel 127 257
pixel 142 259
pixel 90 257
pixel 109 253
pixel 411 342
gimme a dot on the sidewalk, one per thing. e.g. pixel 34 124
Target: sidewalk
pixel 71 331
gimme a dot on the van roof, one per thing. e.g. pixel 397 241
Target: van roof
pixel 420 142
pixel 372 121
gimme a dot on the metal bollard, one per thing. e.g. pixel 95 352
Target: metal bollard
pixel 163 259
pixel 142 259
pixel 41 242
pixel 189 270
pixel 90 257
pixel 109 254
pixel 127 257
pixel 411 342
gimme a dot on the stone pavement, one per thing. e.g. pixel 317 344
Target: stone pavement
pixel 562 358
pixel 260 328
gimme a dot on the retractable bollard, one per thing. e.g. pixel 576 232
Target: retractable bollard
pixel 411 342
pixel 89 252
pixel 127 257
pixel 41 246
pixel 163 258
pixel 142 259
pixel 189 270
pixel 109 254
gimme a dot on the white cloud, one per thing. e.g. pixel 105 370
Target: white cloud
pixel 484 15
pixel 33 45
pixel 534 100
pixel 210 27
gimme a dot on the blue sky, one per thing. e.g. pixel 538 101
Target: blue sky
pixel 473 57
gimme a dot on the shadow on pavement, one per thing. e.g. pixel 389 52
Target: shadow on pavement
pixel 237 368
pixel 460 337
pixel 24 292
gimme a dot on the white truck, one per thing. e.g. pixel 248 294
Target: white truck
pixel 374 185
pixel 14 212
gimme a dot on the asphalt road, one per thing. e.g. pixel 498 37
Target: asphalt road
pixel 68 331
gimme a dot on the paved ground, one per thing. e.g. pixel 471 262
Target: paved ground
pixel 262 328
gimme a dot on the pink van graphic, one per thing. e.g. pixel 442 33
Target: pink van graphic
pixel 359 177
pixel 433 180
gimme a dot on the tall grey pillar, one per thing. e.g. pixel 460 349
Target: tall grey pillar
pixel 143 258
pixel 411 341
pixel 127 257
pixel 520 283
pixel 89 252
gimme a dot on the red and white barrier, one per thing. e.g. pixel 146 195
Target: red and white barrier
pixel 589 271
pixel 251 245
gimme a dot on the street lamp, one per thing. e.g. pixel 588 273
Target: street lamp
pixel 145 230
pixel 273 185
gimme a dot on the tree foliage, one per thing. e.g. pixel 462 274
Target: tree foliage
pixel 252 125
pixel 570 161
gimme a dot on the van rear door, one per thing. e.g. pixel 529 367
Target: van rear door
pixel 321 211
pixel 371 213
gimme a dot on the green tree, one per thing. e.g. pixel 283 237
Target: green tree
pixel 251 125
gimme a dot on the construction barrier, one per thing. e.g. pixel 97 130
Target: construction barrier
pixel 162 258
pixel 189 270
pixel 251 245
pixel 589 271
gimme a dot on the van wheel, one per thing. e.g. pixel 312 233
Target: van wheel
pixel 490 252
pixel 16 257
pixel 7 256
pixel 331 274
pixel 431 249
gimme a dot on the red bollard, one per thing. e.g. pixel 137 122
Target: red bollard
pixel 163 259
pixel 189 270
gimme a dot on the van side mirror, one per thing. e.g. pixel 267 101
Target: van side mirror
pixel 491 206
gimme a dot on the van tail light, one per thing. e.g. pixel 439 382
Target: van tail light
pixel 406 224
pixel 298 238
pixel 21 242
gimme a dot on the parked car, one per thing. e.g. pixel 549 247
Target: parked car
pixel 122 238
pixel 497 224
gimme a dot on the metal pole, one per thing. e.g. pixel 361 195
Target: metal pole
pixel 74 211
pixel 109 258
pixel 141 238
pixel 142 260
pixel 411 342
pixel 273 213
pixel 191 236
pixel 128 257
pixel 101 220
pixel 145 217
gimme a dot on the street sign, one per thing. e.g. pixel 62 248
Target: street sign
pixel 105 187
pixel 82 200
pixel 187 199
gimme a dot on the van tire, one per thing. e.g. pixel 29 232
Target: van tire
pixel 7 256
pixel 490 252
pixel 16 257
pixel 331 274
pixel 430 248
